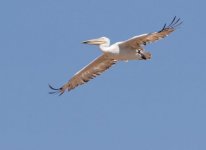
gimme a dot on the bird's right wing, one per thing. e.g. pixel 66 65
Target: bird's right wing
pixel 136 42
pixel 95 68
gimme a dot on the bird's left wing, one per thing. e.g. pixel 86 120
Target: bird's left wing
pixel 95 68
pixel 136 42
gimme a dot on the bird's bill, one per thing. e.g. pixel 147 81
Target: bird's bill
pixel 94 41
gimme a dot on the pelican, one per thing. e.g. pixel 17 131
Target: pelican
pixel 131 49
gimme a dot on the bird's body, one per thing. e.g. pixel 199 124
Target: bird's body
pixel 132 49
pixel 116 52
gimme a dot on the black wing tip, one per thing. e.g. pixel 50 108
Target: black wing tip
pixel 51 87
pixel 56 90
pixel 173 25
pixel 175 22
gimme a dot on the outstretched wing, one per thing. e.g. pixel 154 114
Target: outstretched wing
pixel 137 41
pixel 95 68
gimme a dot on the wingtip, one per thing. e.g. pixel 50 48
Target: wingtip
pixel 173 24
pixel 51 87
pixel 56 90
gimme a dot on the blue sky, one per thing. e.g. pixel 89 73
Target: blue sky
pixel 149 105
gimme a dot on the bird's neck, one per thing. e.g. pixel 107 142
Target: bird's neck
pixel 104 48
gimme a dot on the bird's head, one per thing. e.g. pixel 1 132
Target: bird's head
pixel 98 41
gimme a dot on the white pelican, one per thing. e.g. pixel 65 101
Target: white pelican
pixel 132 49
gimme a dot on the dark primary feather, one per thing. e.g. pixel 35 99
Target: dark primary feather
pixel 165 31
pixel 55 91
pixel 87 73
pixel 137 41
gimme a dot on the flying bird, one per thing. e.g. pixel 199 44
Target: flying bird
pixel 131 49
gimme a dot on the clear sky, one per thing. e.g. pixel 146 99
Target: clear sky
pixel 158 104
